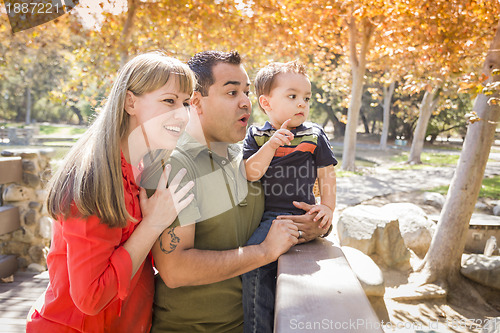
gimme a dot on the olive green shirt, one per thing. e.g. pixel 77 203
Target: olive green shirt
pixel 227 209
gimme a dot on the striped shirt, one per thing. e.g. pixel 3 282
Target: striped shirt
pixel 293 169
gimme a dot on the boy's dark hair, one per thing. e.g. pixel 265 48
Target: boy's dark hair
pixel 203 62
pixel 267 75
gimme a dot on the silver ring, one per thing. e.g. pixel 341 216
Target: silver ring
pixel 300 234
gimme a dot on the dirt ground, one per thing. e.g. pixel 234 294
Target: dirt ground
pixel 442 314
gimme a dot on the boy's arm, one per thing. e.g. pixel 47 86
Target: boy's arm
pixel 257 164
pixel 328 186
pixel 327 189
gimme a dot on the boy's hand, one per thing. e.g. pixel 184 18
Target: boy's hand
pixel 281 137
pixel 324 213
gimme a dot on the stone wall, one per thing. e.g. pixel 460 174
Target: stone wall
pixel 31 242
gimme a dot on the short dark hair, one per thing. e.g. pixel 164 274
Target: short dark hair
pixel 267 76
pixel 203 62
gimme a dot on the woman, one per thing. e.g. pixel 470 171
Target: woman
pixel 101 279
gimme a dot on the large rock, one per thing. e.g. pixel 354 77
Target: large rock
pixel 368 273
pixel 374 232
pixel 416 228
pixel 482 269
pixel 496 210
pixel 434 199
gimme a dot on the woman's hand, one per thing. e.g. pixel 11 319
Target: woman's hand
pixel 161 209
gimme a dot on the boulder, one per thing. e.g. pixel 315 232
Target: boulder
pixel 368 273
pixel 482 269
pixel 416 228
pixel 482 207
pixel 434 199
pixel 496 210
pixel 37 268
pixel 374 232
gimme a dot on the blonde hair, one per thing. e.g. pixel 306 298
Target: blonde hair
pixel 267 76
pixel 90 178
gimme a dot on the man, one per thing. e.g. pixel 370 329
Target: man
pixel 200 263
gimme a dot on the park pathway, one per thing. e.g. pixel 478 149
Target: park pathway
pixel 383 181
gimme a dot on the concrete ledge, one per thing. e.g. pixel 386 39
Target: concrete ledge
pixel 318 291
pixel 9 219
pixel 11 170
pixel 8 265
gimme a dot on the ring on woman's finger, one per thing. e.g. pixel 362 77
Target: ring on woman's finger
pixel 300 234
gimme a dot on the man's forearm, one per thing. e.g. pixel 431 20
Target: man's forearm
pixel 197 267
pixel 180 264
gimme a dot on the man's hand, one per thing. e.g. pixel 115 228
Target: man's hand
pixel 305 223
pixel 281 237
pixel 281 137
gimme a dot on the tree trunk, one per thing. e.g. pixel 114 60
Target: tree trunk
pixel 365 121
pixel 78 114
pixel 443 261
pixel 28 105
pixel 428 105
pixel 374 126
pixel 339 127
pixel 127 31
pixel 358 67
pixel 388 92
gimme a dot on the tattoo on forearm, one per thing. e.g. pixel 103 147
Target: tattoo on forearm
pixel 174 241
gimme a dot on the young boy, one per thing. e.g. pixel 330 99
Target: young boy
pixel 287 154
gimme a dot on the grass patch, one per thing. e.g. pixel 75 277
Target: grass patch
pixel 48 129
pixel 57 130
pixel 490 188
pixel 78 130
pixel 54 144
pixel 433 159
pixel 410 167
pixel 343 173
pixel 358 162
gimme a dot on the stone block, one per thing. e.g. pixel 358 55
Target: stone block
pixel 30 217
pixel 45 230
pixel 15 193
pixel 35 205
pixel 374 231
pixel 482 269
pixel 31 179
pixel 29 165
pixel 416 228
pixel 368 273
pixel 36 253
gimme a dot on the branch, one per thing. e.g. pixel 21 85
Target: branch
pixel 351 23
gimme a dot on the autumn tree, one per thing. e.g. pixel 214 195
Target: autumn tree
pixel 443 260
pixel 34 62
pixel 446 41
